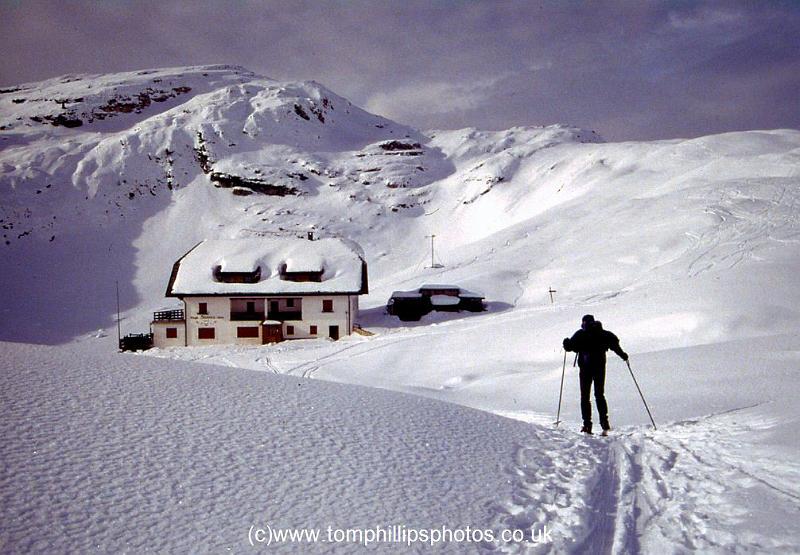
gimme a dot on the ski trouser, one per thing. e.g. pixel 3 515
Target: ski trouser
pixel 598 377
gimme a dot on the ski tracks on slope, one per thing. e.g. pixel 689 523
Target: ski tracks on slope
pixel 692 486
pixel 564 482
pixel 749 214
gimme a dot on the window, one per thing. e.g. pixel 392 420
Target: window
pixel 290 303
pixel 247 331
pixel 205 333
pixel 236 277
pixel 203 309
pixel 310 275
pixel 289 330
pixel 172 333
pixel 251 306
pixel 313 330
pixel 327 305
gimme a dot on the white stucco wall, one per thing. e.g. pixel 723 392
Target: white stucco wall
pixel 353 311
pixel 160 334
pixel 219 311
pixel 217 317
pixel 314 316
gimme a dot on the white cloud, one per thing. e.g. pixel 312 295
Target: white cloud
pixel 704 18
pixel 434 97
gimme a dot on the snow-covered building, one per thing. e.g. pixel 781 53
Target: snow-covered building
pixel 263 290
pixel 413 305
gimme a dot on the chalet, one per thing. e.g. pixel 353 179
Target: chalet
pixel 262 290
pixel 412 305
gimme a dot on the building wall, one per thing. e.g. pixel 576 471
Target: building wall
pixel 217 317
pixel 219 310
pixel 314 316
pixel 353 311
pixel 160 338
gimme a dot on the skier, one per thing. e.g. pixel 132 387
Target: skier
pixel 591 343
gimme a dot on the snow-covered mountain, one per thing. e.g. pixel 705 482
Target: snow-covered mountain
pixel 160 158
pixel 689 250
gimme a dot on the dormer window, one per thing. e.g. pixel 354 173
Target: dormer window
pixel 290 274
pixel 236 277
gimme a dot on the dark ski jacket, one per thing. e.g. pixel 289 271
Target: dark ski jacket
pixel 591 345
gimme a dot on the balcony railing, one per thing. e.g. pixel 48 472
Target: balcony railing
pixel 168 315
pixel 285 315
pixel 239 316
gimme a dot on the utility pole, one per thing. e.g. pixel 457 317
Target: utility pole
pixel 551 291
pixel 119 329
pixel 433 263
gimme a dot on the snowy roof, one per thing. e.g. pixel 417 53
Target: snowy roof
pixel 238 262
pixel 438 286
pixel 307 263
pixel 344 270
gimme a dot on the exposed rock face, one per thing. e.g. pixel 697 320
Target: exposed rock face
pixel 236 182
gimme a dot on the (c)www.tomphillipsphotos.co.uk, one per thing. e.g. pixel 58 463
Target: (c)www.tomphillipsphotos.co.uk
pixel 267 535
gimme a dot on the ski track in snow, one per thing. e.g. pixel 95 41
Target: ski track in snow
pixel 741 228
pixel 676 490
pixel 268 364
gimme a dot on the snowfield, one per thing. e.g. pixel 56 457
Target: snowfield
pixel 114 453
pixel 108 452
pixel 688 250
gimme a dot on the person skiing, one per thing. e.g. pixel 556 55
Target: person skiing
pixel 591 343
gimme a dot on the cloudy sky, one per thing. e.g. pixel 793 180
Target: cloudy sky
pixel 627 69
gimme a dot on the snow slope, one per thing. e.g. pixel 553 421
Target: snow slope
pixel 688 250
pixel 111 453
pixel 115 452
pixel 77 200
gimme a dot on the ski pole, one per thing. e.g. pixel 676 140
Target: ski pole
pixel 641 395
pixel 561 392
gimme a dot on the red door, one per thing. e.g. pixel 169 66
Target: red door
pixel 271 333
